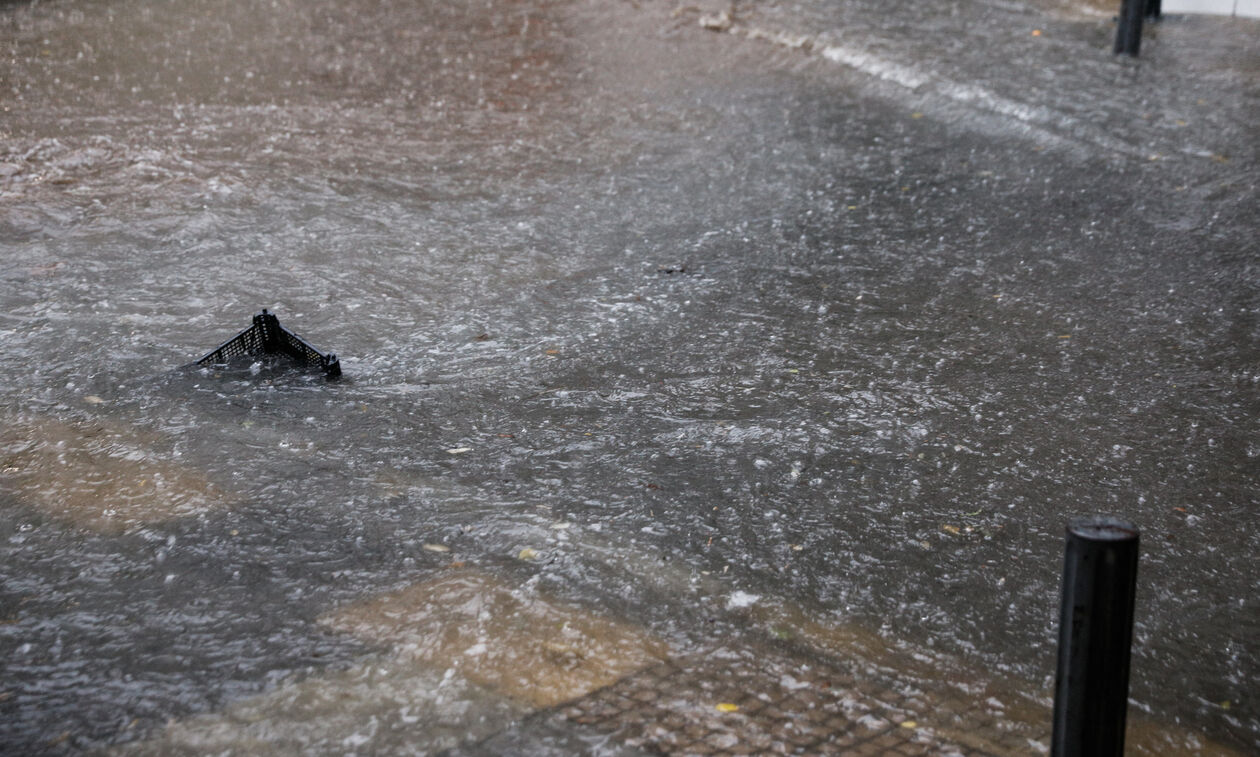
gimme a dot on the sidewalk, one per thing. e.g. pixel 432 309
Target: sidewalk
pixel 517 672
pixel 780 701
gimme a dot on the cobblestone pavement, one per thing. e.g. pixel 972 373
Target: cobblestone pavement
pixel 781 700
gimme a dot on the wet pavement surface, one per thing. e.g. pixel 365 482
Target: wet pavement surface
pixel 717 376
pixel 783 704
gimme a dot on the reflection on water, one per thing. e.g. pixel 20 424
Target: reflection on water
pixel 638 320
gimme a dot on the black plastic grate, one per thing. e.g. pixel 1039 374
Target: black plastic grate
pixel 267 337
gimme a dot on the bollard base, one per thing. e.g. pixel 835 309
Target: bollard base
pixel 1095 635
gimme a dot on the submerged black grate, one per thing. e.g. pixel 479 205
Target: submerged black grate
pixel 268 337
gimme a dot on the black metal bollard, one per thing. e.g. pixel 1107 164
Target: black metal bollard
pixel 1129 32
pixel 1091 692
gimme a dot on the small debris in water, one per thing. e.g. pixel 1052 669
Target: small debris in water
pixel 529 553
pixel 458 450
pixel 436 548
pixel 727 707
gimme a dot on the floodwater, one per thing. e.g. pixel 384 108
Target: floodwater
pixel 648 315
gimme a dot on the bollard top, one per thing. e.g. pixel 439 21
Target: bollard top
pixel 1102 528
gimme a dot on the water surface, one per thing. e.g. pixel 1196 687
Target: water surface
pixel 633 315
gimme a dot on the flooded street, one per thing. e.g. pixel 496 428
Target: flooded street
pixel 675 338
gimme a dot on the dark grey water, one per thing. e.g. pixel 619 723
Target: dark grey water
pixel 840 307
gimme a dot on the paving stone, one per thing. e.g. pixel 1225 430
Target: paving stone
pixel 105 476
pixel 526 646
pixel 672 709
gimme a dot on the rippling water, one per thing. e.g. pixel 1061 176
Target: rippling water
pixel 845 304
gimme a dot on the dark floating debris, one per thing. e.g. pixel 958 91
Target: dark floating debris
pixel 268 337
